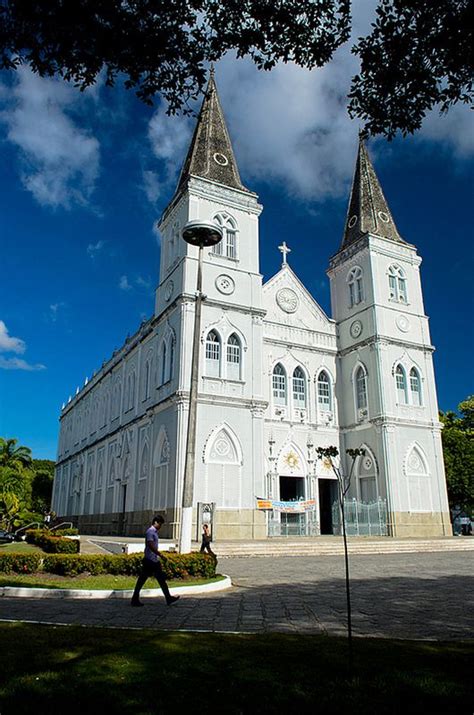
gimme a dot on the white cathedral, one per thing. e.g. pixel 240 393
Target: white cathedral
pixel 278 378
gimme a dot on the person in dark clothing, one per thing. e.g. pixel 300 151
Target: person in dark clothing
pixel 206 541
pixel 151 564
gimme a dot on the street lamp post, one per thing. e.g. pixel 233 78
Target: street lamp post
pixel 201 234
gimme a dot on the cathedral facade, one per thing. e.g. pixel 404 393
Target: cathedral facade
pixel 278 378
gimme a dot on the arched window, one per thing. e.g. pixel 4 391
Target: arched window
pixel 170 372
pixel 401 384
pixel 163 363
pixel 146 381
pixel 324 391
pixel 397 285
pixel 234 353
pixel 228 246
pixel 279 384
pixel 356 288
pixel 213 354
pixel 299 387
pixel 415 387
pixel 361 389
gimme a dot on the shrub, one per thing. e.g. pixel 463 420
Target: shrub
pixel 174 565
pixel 52 544
pixel 63 532
pixel 19 563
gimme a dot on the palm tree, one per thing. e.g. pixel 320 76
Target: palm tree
pixel 16 458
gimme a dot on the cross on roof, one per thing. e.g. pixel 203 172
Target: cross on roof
pixel 284 251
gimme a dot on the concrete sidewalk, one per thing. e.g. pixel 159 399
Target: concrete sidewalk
pixel 410 596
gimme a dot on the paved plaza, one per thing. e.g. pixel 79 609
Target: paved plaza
pixel 419 596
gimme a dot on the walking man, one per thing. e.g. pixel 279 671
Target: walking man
pixel 152 565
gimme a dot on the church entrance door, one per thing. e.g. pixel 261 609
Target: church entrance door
pixel 327 497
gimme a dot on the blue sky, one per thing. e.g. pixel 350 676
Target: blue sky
pixel 84 177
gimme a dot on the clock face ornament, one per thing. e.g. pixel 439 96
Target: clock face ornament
pixel 356 328
pixel 287 300
pixel 403 323
pixel 225 284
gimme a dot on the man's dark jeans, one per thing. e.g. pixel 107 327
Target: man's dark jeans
pixel 151 568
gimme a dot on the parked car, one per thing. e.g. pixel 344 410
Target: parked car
pixel 6 537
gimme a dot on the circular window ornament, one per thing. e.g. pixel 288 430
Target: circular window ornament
pixel 352 221
pixel 403 323
pixel 356 328
pixel 287 300
pixel 383 216
pixel 169 290
pixel 225 284
pixel 291 460
pixel 220 159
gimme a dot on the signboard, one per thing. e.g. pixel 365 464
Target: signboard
pixel 288 507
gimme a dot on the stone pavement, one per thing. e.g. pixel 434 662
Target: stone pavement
pixel 418 596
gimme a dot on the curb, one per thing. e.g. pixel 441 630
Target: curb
pixel 62 593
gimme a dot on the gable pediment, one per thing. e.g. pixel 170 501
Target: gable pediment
pixel 287 302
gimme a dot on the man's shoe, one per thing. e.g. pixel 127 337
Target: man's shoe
pixel 136 604
pixel 172 600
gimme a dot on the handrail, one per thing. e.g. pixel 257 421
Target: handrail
pixel 22 528
pixel 67 524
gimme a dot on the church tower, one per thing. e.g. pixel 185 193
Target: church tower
pixel 385 380
pixel 230 393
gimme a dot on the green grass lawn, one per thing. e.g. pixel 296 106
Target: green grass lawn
pixel 19 547
pixel 106 581
pixel 79 669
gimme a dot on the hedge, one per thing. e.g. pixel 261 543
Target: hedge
pixel 62 532
pixel 52 544
pixel 175 566
pixel 20 563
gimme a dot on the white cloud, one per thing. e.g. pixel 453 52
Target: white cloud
pixel 8 343
pixel 93 249
pixel 59 160
pixel 170 137
pixel 143 282
pixel 124 284
pixel 54 309
pixel 19 364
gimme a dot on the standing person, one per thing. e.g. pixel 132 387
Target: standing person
pixel 152 565
pixel 206 541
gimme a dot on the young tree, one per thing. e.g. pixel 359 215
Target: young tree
pixel 331 454
pixel 13 457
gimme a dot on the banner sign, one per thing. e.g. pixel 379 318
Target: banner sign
pixel 288 507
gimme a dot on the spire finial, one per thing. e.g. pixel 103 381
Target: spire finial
pixel 284 250
pixel 212 71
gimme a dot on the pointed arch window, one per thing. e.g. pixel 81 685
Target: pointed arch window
pixel 324 391
pixel 279 384
pixel 146 381
pixel 401 384
pixel 356 286
pixel 415 387
pixel 213 354
pixel 299 387
pixel 361 389
pixel 171 363
pixel 228 246
pixel 397 285
pixel 163 363
pixel 234 357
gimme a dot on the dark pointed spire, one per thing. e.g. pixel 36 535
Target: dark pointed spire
pixel 368 210
pixel 210 155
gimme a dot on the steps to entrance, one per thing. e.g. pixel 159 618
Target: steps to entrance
pixel 334 546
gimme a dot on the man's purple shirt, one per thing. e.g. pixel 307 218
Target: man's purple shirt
pixel 151 535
